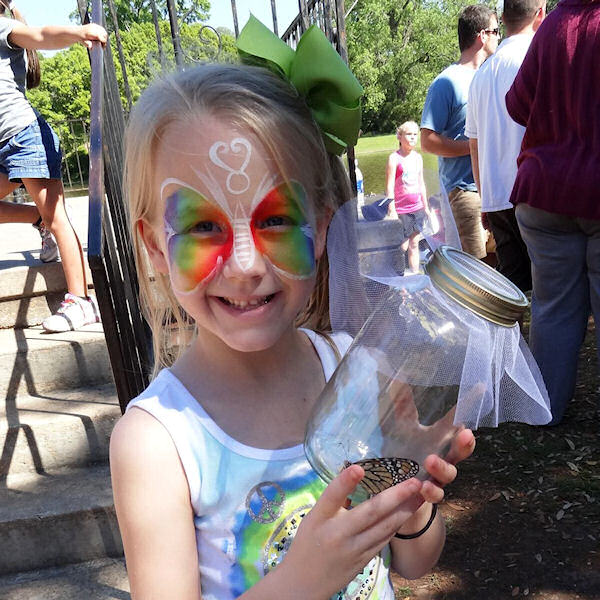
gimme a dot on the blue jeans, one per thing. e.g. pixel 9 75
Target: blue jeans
pixel 33 153
pixel 565 269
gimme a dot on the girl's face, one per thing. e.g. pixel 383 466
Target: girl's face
pixel 408 138
pixel 239 242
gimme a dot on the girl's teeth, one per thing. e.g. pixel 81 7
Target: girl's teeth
pixel 246 303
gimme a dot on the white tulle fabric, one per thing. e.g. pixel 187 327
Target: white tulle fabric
pixel 454 361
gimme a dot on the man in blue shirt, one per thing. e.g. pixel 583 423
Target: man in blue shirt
pixel 443 123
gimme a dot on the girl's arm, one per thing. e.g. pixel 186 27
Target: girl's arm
pixel 413 558
pixel 154 511
pixel 390 181
pixel 390 176
pixel 55 37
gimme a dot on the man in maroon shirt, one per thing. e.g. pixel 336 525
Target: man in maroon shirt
pixel 556 96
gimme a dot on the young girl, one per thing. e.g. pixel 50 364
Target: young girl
pixel 405 184
pixel 231 191
pixel 30 154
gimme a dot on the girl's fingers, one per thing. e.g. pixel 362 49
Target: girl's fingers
pixel 432 492
pixel 335 494
pixel 440 470
pixel 462 446
pixel 403 497
pixel 379 534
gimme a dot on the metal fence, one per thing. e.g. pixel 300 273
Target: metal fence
pixel 74 140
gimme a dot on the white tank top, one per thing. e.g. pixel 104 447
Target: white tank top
pixel 248 502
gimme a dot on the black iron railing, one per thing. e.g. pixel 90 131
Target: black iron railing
pixel 110 252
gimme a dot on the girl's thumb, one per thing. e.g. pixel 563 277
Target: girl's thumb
pixel 335 494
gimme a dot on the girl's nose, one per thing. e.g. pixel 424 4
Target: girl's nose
pixel 245 261
pixel 235 269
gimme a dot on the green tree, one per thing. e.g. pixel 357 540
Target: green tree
pixel 64 91
pixel 141 51
pixel 395 50
pixel 131 12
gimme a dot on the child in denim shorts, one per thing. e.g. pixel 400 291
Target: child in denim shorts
pixel 30 155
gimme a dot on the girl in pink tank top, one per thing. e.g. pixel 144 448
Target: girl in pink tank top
pixel 405 184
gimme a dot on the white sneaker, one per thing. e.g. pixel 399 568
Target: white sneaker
pixel 73 313
pixel 49 251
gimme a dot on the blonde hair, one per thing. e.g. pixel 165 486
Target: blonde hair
pixel 403 128
pixel 263 104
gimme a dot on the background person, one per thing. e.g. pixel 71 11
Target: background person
pixel 495 139
pixel 443 123
pixel 556 97
pixel 406 185
pixel 30 154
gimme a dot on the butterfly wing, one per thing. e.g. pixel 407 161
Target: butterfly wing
pixel 382 473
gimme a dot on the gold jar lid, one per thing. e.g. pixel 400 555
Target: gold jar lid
pixel 476 286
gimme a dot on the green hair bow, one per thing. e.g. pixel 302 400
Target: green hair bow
pixel 319 74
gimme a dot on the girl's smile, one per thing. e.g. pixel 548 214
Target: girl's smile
pixel 247 305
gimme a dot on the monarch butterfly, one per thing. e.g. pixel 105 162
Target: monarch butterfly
pixel 382 473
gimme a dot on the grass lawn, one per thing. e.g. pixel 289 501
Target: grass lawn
pixel 372 154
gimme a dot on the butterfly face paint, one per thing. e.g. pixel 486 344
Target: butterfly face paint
pixel 282 232
pixel 199 238
pixel 201 235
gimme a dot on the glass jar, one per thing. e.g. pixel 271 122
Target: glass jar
pixel 439 352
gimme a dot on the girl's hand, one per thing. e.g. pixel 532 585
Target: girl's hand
pixel 92 32
pixel 442 470
pixel 333 544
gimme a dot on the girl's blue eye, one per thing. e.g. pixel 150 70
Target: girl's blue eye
pixel 275 221
pixel 205 227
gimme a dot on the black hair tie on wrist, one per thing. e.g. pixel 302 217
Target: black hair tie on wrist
pixel 412 536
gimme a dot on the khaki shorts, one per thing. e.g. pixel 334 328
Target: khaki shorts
pixel 466 208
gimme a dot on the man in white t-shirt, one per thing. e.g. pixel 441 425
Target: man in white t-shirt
pixel 495 139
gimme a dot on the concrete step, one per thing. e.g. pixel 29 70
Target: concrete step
pixel 31 292
pixel 34 362
pixel 60 429
pixel 57 518
pixel 102 579
pixel 29 311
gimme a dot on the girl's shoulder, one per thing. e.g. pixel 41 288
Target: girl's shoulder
pixel 139 420
pixel 138 443
pixel 145 433
pixel 394 157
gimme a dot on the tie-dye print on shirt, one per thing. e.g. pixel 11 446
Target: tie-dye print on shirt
pixel 248 502
pixel 266 528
